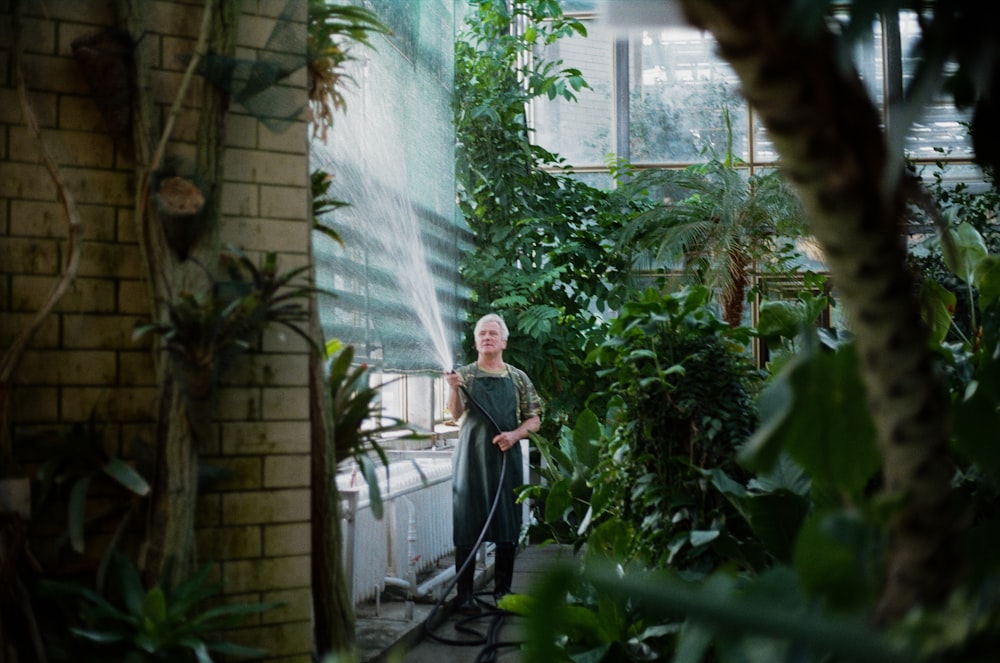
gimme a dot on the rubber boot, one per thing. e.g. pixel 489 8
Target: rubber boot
pixel 466 602
pixel 503 569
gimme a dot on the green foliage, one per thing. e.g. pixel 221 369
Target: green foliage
pixel 333 30
pixel 686 389
pixel 815 410
pixel 73 462
pixel 659 467
pixel 544 258
pixel 781 322
pixel 203 329
pixel 728 619
pixel 579 488
pixel 320 182
pixel 136 625
pixel 723 226
pixel 358 421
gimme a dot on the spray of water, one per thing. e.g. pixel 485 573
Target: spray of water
pixel 388 226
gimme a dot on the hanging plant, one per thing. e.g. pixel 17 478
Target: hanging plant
pixel 203 330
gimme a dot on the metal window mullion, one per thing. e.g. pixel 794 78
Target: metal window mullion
pixel 620 100
pixel 892 63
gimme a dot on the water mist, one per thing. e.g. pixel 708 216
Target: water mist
pixel 368 154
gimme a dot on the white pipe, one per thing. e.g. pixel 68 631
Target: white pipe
pixel 411 553
pixel 424 591
pixel 427 590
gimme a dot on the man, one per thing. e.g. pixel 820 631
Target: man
pixel 496 406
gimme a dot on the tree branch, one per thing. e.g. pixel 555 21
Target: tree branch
pixel 13 354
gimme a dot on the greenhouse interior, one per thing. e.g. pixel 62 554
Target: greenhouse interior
pixel 726 272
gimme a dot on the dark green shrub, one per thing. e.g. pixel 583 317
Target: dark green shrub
pixel 686 384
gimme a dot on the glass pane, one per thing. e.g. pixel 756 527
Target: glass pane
pixel 577 6
pixel 579 131
pixel 679 94
pixel 939 130
pixel 598 180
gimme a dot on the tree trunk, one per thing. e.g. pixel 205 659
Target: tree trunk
pixel 827 132
pixel 735 292
pixel 186 393
pixel 333 611
pixel 170 535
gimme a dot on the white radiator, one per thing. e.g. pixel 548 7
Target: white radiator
pixel 415 532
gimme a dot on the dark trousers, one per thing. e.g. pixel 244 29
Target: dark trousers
pixel 503 569
pixel 465 578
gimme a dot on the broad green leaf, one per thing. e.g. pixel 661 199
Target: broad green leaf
pixel 693 643
pixel 702 537
pixel 559 500
pixel 124 474
pixel 937 307
pixel 970 248
pixel 774 405
pixel 154 607
pixel 724 610
pixel 724 483
pixel 610 541
pixel 977 420
pixel 587 435
pixel 555 456
pixel 77 512
pixel 776 519
pixel 817 412
pixel 831 558
pixel 987 279
pixel 779 318
pixel 785 474
pixel 601 498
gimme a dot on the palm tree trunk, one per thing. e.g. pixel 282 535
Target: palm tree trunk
pixel 735 291
pixel 827 132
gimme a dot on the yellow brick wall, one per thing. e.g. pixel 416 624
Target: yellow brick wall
pixel 255 524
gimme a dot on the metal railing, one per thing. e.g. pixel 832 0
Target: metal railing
pixel 414 532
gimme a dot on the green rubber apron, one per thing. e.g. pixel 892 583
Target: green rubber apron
pixel 478 463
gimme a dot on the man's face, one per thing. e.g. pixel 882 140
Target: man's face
pixel 489 338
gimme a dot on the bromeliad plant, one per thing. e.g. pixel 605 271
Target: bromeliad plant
pixel 333 29
pixel 358 420
pixel 200 333
pixel 76 461
pixel 164 623
pixel 203 329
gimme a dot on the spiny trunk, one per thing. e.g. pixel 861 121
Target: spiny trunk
pixel 827 132
pixel 735 291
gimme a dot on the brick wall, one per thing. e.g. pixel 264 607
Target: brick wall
pixel 256 524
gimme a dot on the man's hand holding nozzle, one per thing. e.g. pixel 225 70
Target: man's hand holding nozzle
pixel 453 379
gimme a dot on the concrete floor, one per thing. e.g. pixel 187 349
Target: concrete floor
pixel 400 632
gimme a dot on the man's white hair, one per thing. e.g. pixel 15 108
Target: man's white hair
pixel 493 317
